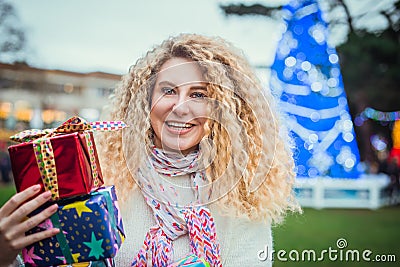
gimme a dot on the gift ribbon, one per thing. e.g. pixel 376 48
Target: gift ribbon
pixel 44 151
pixel 72 125
pixel 92 160
pixel 110 190
pixel 190 260
pixel 65 249
pixel 47 166
pixel 107 196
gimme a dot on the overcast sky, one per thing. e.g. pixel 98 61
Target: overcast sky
pixel 109 36
pixel 100 35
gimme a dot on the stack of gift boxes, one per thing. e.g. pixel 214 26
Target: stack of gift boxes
pixel 64 160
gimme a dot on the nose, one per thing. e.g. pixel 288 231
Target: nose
pixel 181 106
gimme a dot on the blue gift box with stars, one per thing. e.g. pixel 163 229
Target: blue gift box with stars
pixel 91 230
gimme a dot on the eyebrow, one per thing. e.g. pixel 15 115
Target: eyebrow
pixel 199 87
pixel 194 87
pixel 166 83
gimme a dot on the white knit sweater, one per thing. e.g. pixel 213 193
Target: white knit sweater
pixel 240 239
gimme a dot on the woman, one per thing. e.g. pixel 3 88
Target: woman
pixel 204 168
pixel 202 136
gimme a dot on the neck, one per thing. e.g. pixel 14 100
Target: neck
pixel 184 152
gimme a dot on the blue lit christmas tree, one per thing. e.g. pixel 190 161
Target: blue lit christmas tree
pixel 306 77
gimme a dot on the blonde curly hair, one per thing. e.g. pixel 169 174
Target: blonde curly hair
pixel 252 166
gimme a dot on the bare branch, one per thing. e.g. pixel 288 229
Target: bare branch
pixel 12 36
pixel 349 18
pixel 255 9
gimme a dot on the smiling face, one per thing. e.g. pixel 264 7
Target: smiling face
pixel 179 106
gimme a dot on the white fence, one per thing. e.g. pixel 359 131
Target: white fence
pixel 369 191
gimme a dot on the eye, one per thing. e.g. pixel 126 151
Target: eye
pixel 198 95
pixel 168 90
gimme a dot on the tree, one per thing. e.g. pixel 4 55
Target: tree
pixel 339 14
pixel 306 77
pixel 12 36
pixel 369 57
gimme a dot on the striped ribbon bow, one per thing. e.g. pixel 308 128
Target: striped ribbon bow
pixel 72 125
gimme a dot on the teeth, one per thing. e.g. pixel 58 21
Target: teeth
pixel 179 125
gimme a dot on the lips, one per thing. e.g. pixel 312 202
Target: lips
pixel 179 126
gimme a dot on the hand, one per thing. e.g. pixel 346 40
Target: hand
pixel 14 222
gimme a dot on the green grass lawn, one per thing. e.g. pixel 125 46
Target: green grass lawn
pixel 375 230
pixel 6 192
pixel 317 230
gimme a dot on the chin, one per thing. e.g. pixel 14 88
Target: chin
pixel 180 148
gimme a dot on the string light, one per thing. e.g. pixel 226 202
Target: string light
pixel 376 115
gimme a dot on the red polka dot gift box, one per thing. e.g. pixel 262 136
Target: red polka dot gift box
pixel 64 159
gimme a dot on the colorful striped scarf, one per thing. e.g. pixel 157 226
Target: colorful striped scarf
pixel 174 219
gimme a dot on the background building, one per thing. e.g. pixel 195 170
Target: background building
pixel 39 98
